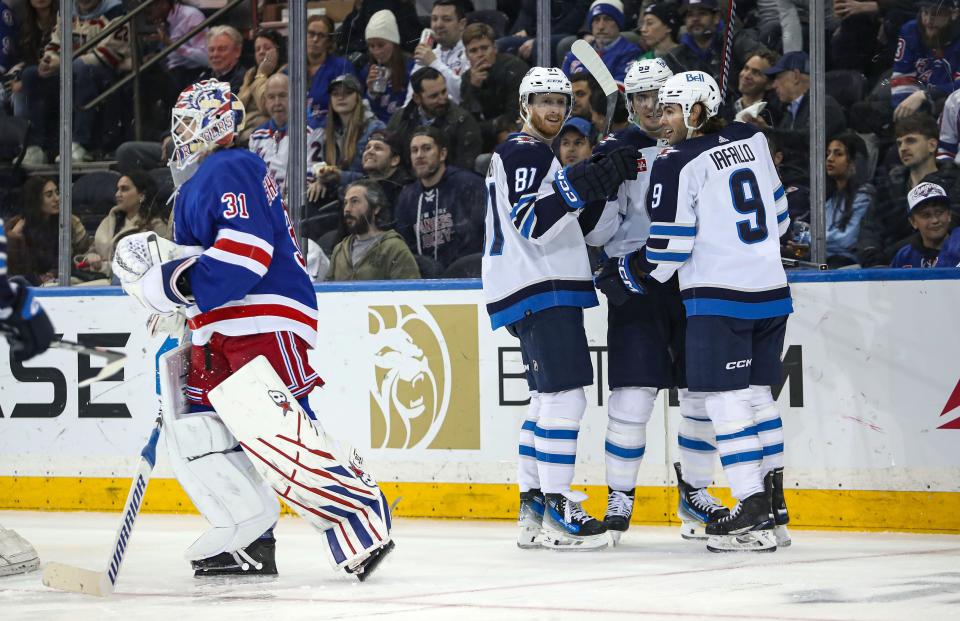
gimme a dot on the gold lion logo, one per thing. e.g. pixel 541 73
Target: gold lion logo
pixel 419 354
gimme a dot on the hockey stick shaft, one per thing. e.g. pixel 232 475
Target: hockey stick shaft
pixel 592 62
pixel 727 51
pixel 102 583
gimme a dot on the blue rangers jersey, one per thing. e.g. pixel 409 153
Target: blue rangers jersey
pixel 717 211
pixel 624 224
pixel 534 256
pixel 916 67
pixel 251 277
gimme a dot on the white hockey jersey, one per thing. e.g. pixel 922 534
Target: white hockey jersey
pixel 624 224
pixel 534 255
pixel 272 144
pixel 718 209
pixel 452 64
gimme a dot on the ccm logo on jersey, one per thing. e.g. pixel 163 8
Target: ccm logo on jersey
pixel 739 364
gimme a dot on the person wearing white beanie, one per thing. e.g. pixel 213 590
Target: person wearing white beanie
pixel 388 68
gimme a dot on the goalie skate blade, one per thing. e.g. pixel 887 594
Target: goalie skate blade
pixel 76 580
pixel 693 531
pixel 23 567
pixel 369 565
pixel 783 536
pixel 753 541
pixel 555 540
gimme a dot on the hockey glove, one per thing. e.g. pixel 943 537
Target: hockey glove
pixel 27 328
pixel 595 179
pixel 618 280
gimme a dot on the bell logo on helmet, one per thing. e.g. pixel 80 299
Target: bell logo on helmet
pixel 694 77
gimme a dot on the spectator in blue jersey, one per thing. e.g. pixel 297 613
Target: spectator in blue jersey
pixel 927 58
pixel 386 73
pixel 566 18
pixel 605 20
pixel 929 214
pixel 440 215
pixel 322 65
pixel 848 199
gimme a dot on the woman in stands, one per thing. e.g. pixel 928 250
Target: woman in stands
pixel 269 52
pixel 33 238
pixel 346 130
pixel 322 65
pixel 848 199
pixel 387 71
pixel 139 208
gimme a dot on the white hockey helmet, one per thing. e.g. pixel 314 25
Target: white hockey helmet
pixel 544 80
pixel 644 75
pixel 689 88
pixel 206 115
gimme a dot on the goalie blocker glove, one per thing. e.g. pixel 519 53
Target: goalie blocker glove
pixel 595 179
pixel 621 277
pixel 27 327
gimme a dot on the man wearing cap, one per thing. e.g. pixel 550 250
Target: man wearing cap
pixel 382 162
pixel 929 214
pixel 659 29
pixel 701 46
pixel 431 107
pixel 791 81
pixel 605 19
pixel 575 141
pixel 927 58
pixel 490 88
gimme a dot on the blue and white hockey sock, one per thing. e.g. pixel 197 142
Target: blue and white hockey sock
pixel 527 477
pixel 627 415
pixel 696 440
pixel 555 438
pixel 741 453
pixel 766 416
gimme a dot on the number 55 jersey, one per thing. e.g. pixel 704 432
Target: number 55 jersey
pixel 717 210
pixel 251 277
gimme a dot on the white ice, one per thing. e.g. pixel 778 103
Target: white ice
pixel 473 570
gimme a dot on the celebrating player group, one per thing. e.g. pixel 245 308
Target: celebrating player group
pixel 688 213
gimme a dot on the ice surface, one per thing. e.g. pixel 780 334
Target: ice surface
pixel 473 570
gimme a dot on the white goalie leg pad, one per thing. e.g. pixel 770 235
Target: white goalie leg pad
pixel 696 440
pixel 221 482
pixel 17 556
pixel 628 412
pixel 766 417
pixel 555 438
pixel 527 477
pixel 737 441
pixel 323 481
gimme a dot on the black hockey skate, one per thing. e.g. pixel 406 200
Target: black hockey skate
pixel 566 526
pixel 619 510
pixel 748 528
pixel 696 508
pixel 257 559
pixel 780 516
pixel 530 519
pixel 369 563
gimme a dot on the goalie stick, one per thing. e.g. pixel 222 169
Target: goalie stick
pixel 594 64
pixel 101 583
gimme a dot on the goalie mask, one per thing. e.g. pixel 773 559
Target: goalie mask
pixel 689 88
pixel 207 115
pixel 644 75
pixel 544 80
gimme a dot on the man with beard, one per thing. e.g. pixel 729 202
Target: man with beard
pixel 606 21
pixel 382 162
pixel 754 86
pixel 928 54
pixel 430 107
pixel 440 214
pixel 701 45
pixel 536 282
pixel 369 252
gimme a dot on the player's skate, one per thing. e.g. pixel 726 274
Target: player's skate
pixel 619 510
pixel 17 556
pixel 748 528
pixel 780 516
pixel 530 519
pixel 368 564
pixel 566 526
pixel 257 559
pixel 696 509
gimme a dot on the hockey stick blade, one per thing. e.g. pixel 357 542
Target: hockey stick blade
pixel 102 583
pixel 114 359
pixel 108 370
pixel 594 64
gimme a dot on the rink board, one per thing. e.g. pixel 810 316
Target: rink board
pixel 418 381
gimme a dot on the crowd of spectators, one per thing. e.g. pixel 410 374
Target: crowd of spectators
pixel 404 111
